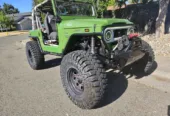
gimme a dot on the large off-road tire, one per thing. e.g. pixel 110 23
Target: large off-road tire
pixel 145 64
pixel 34 56
pixel 83 78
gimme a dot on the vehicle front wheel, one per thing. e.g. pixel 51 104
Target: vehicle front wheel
pixel 83 78
pixel 34 56
pixel 145 64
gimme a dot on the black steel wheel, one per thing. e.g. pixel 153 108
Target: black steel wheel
pixel 75 81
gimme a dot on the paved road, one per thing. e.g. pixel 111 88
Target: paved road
pixel 24 92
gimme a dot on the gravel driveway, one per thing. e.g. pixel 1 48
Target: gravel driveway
pixel 25 92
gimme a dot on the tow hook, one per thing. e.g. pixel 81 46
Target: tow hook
pixel 132 35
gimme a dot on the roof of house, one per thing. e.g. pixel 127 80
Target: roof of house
pixel 19 16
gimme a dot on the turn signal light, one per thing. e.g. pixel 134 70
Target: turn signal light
pixel 86 30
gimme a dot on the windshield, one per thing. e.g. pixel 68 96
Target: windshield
pixel 75 8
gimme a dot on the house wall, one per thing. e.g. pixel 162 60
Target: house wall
pixel 18 27
pixel 25 24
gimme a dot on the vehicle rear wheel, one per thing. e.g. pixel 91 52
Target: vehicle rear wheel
pixel 83 78
pixel 34 56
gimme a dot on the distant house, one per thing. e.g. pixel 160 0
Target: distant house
pixel 22 21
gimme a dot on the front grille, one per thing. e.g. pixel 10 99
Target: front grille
pixel 119 33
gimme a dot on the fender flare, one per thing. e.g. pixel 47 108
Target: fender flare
pixel 65 51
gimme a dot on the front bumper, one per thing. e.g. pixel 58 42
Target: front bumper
pixel 131 53
pixel 136 52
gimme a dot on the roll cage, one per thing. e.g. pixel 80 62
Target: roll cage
pixel 51 7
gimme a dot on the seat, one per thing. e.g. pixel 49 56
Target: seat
pixel 50 25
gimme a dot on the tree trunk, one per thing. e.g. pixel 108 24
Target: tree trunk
pixel 160 21
pixel 167 21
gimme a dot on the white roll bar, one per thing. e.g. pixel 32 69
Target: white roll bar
pixel 35 21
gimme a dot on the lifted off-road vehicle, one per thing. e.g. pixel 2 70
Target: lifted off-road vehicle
pixel 88 46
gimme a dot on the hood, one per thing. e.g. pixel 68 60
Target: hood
pixel 88 23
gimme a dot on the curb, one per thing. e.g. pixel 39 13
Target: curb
pixel 14 33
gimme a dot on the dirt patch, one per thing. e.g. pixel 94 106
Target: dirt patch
pixel 161 78
pixel 22 42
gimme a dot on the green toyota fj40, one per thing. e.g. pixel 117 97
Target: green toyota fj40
pixel 88 46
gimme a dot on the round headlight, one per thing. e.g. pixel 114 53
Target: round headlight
pixel 130 30
pixel 108 35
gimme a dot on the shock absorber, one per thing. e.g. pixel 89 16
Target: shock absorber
pixel 93 45
pixel 93 41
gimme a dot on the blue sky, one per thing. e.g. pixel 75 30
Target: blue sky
pixel 22 5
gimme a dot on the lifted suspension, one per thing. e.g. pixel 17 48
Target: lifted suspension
pixel 93 45
pixel 93 41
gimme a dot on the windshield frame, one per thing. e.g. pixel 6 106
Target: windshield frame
pixel 94 14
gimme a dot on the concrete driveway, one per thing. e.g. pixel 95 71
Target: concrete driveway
pixel 25 92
